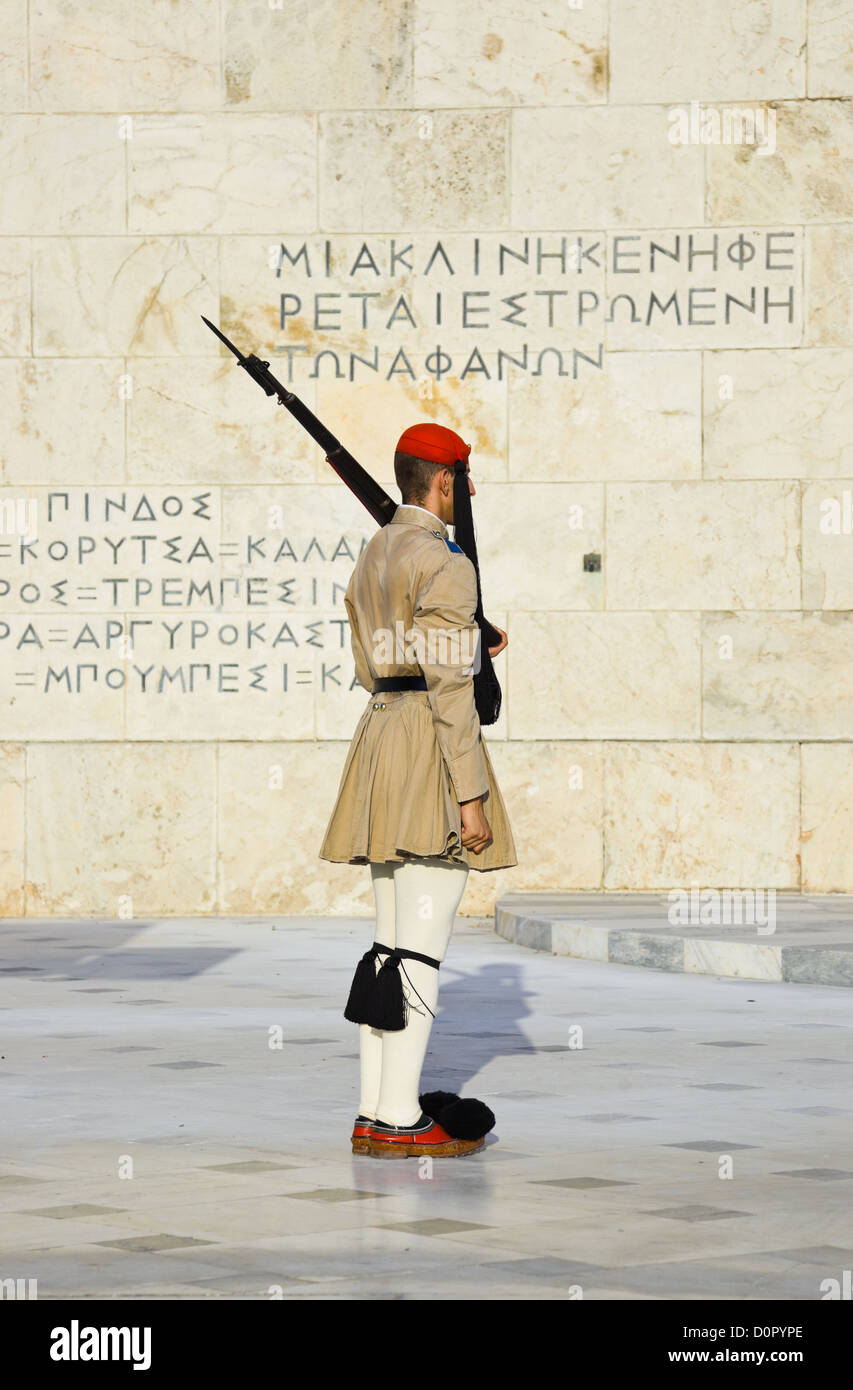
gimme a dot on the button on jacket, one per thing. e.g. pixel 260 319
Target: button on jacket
pixel 415 754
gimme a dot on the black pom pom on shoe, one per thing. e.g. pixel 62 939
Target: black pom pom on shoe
pixel 463 1119
pixel 432 1102
pixel 467 1119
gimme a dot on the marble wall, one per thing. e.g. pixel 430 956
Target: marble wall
pixel 608 241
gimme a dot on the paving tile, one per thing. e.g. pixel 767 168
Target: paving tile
pixel 185 1066
pixel 695 1212
pixel 711 1145
pixel 582 1182
pixel 75 1210
pixel 254 1285
pixel 819 1174
pixel 434 1226
pixel 335 1194
pixel 721 1086
pixel 615 1116
pixel 823 1061
pixel 727 1280
pixel 250 1166
pixel 817 1110
pixel 153 1243
pixel 549 1268
pixel 826 1256
pixel 129 1049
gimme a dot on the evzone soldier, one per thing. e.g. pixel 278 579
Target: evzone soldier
pixel 418 800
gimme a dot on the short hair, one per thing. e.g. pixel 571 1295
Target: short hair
pixel 414 477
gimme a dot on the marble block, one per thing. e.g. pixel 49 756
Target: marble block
pixel 774 414
pixel 13 55
pixel 605 675
pixel 808 178
pixel 830 53
pixel 827 547
pixel 38 398
pixel 95 296
pixel 829 299
pixel 62 174
pixel 566 521
pixel 733 959
pixel 382 169
pixel 827 811
pixel 719 52
pixel 632 176
pixel 15 293
pixel 115 828
pixel 227 429
pixel 498 54
pixel 222 173
pixel 777 675
pixel 639 418
pixel 709 814
pixel 686 545
pixel 317 54
pixel 13 759
pixel 92 56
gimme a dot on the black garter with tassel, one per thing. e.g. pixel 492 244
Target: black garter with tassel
pixel 377 999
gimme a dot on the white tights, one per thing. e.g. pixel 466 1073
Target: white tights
pixel 416 904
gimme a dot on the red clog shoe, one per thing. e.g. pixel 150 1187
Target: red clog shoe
pixel 425 1136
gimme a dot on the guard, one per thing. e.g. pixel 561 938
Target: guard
pixel 418 800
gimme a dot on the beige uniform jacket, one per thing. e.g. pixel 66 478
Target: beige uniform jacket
pixel 415 755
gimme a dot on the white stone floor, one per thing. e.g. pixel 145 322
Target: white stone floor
pixel 149 1041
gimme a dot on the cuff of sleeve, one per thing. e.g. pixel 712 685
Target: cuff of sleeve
pixel 468 774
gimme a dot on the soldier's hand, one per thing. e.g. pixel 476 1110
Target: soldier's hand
pixel 476 831
pixel 493 651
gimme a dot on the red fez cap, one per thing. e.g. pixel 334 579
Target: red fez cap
pixel 433 443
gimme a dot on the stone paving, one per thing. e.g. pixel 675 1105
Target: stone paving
pixel 179 1094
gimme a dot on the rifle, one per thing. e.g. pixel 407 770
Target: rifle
pixel 487 692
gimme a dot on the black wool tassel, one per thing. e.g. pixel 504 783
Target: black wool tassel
pixel 388 1005
pixel 433 1102
pixel 466 1118
pixel 463 1119
pixel 359 1004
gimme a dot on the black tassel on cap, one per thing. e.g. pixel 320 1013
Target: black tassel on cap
pixel 487 691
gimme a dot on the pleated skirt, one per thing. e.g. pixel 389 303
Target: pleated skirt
pixel 395 799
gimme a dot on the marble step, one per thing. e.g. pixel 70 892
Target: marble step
pixel 759 935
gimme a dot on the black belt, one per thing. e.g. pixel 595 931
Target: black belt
pixel 398 683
